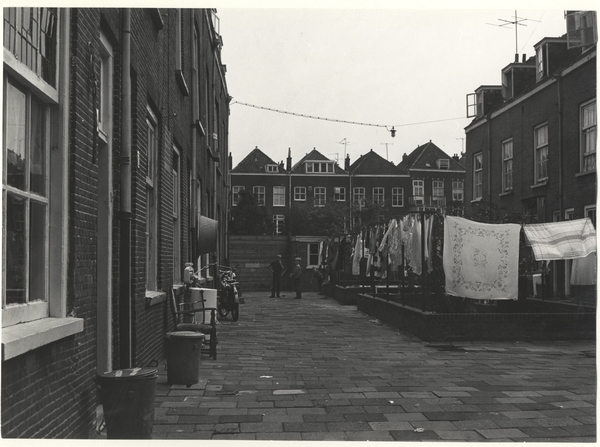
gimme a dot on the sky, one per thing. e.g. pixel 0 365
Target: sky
pixel 406 68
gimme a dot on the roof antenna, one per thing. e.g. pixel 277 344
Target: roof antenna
pixel 344 142
pixel 516 22
pixel 386 150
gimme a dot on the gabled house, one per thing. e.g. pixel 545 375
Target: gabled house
pixel 436 179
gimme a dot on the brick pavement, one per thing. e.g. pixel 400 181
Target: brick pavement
pixel 315 370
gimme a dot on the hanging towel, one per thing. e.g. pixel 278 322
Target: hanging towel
pixel 561 240
pixel 357 255
pixel 481 260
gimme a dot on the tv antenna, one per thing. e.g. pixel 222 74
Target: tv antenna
pixel 516 22
pixel 386 150
pixel 344 142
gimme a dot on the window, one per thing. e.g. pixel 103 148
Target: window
pixel 397 197
pixel 271 168
pixel 300 193
pixel 419 191
pixel 378 195
pixel 443 163
pixel 339 194
pixel 478 176
pixel 590 211
pixel 259 193
pixel 539 56
pixel 313 254
pixel 457 191
pixel 176 220
pixel 320 198
pixel 317 167
pixel 278 221
pixel 151 202
pixel 438 188
pixel 588 137
pixel 235 194
pixel 359 195
pixel 541 153
pixel 103 111
pixel 570 214
pixel 507 165
pixel 179 53
pixel 278 195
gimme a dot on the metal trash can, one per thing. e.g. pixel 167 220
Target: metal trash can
pixel 183 357
pixel 127 397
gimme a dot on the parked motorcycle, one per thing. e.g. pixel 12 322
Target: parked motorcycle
pixel 228 294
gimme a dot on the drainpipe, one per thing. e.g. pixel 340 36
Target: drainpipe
pixel 489 161
pixel 125 296
pixel 560 148
pixel 193 182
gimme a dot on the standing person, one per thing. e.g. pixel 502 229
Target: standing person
pixel 277 268
pixel 296 273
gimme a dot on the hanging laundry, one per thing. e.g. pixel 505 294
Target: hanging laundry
pixel 583 271
pixel 416 261
pixel 561 240
pixel 395 245
pixel 481 261
pixel 358 248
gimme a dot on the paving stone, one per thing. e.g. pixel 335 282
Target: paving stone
pixel 305 426
pixel 283 436
pixel 475 424
pixel 391 425
pixel 366 417
pixel 545 432
pixel 372 436
pixel 324 436
pixel 464 435
pixel 410 435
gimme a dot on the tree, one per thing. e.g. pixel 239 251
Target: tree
pixel 249 218
pixel 328 220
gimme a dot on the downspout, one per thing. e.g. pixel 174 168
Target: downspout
pixel 125 295
pixel 193 182
pixel 489 161
pixel 560 149
pixel 350 196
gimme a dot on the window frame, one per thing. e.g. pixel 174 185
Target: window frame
pixel 507 165
pixel 321 200
pixel 417 185
pixel 271 168
pixel 300 193
pixel 278 222
pixel 339 193
pixel 359 195
pixel 478 175
pixel 592 130
pixel 589 209
pixel 539 150
pixel 260 195
pixel 456 190
pixel 235 194
pixel 310 254
pixel 378 194
pixel 152 150
pixel 395 195
pixel 176 171
pixel 278 196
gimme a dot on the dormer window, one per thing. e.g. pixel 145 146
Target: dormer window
pixel 271 168
pixel 443 163
pixel 314 167
pixel 540 60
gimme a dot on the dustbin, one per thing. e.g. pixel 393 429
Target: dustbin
pixel 183 357
pixel 127 397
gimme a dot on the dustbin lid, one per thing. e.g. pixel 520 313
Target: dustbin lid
pixel 131 373
pixel 185 334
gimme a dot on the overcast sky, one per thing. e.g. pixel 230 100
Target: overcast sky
pixel 384 67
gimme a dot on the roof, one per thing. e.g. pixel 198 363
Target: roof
pixel 372 163
pixel 254 163
pixel 426 157
pixel 314 155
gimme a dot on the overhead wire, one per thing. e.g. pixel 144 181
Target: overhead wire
pixel 302 115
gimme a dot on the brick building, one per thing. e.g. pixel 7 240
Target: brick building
pixel 531 147
pixel 115 142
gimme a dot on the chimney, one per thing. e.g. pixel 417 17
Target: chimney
pixel 289 160
pixel 347 163
pixel 524 58
pixel 404 157
pixel 456 157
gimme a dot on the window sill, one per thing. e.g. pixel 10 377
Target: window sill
pixel 477 200
pixel 200 128
pixel 153 298
pixel 539 185
pixel 506 193
pixel 25 337
pixel 583 174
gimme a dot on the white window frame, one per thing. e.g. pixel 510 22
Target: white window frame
pixel 437 188
pixel 478 175
pixel 458 191
pixel 176 170
pixel 271 168
pixel 590 211
pixel 278 195
pixel 152 150
pixel 320 196
pixel 317 167
pixel 339 193
pixel 507 165
pixel 359 195
pixel 443 163
pixel 36 329
pixel 235 194
pixel 378 195
pixel 259 193
pixel 397 197
pixel 313 249
pixel 540 153
pixel 300 193
pixel 103 112
pixel 418 187
pixel 278 221
pixel 588 137
pixel 570 214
